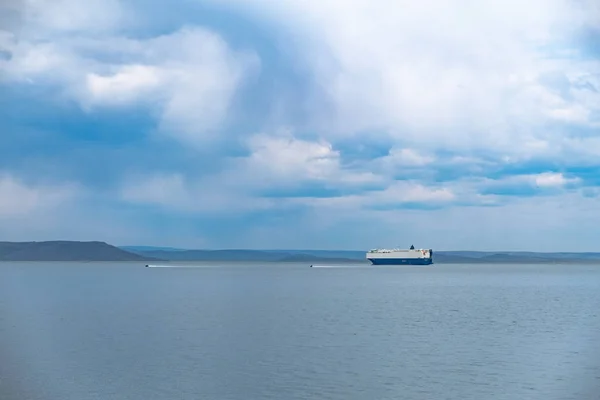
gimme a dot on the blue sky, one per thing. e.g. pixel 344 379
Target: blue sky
pixel 323 124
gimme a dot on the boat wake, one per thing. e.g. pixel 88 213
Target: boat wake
pixel 179 266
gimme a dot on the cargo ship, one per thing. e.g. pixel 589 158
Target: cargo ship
pixel 410 256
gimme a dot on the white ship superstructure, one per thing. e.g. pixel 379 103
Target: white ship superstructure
pixel 410 256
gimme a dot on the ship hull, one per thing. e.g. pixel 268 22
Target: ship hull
pixel 400 261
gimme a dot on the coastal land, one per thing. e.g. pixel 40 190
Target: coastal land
pixel 100 251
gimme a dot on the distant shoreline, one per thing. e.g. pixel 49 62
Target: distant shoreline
pixel 291 263
pixel 88 252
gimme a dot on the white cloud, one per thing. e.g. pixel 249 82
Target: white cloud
pixel 203 75
pixel 437 74
pixel 457 193
pixel 396 195
pixel 453 85
pixel 409 157
pixel 41 63
pixel 545 181
pixel 567 222
pixel 175 192
pixel 73 15
pixel 187 78
pixel 128 84
pixel 65 211
pixel 275 162
pixel 287 157
pixel 7 43
pixel 472 82
pixel 19 200
pixel 550 179
pixel 284 159
pixel 412 193
pixel 402 159
pixel 158 189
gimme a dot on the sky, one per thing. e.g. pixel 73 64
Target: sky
pixel 323 124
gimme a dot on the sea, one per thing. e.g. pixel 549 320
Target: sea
pixel 100 331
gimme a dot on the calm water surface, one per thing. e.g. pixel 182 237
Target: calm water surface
pixel 121 331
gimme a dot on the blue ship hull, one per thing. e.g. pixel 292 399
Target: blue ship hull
pixel 401 261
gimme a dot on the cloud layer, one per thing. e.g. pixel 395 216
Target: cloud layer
pixel 358 123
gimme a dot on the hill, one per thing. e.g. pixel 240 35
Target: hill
pixel 66 251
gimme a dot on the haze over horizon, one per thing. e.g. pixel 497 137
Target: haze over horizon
pixel 302 124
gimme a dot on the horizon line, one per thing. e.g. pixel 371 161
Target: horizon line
pixel 174 248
